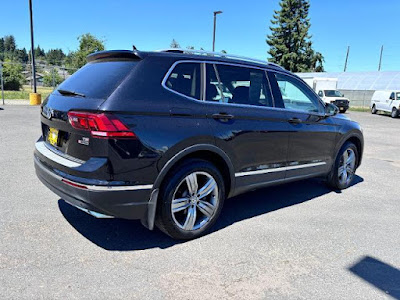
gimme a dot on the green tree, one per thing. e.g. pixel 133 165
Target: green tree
pixel 317 63
pixel 9 43
pixel 55 56
pixel 21 55
pixel 39 53
pixel 290 42
pixel 88 44
pixel 12 76
pixel 174 44
pixel 52 78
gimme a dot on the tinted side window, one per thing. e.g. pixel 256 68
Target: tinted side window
pixel 295 95
pixel 240 85
pixel 185 79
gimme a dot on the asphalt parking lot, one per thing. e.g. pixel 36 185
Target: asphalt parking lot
pixel 296 241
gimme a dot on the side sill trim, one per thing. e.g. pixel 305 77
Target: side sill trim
pixel 280 169
pixel 41 148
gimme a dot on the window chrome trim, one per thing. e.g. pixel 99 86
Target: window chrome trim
pixel 280 169
pixel 164 81
pixel 205 62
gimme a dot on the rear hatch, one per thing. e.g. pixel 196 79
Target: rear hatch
pixel 85 91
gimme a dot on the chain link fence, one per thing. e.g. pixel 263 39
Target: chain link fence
pixel 358 98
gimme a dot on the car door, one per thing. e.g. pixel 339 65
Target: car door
pixel 397 102
pixel 247 126
pixel 388 104
pixel 311 135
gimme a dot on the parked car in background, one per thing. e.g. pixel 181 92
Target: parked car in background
pixel 328 92
pixel 167 136
pixel 386 101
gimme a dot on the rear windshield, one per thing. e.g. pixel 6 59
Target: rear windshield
pixel 98 79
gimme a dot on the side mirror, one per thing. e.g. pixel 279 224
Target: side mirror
pixel 391 98
pixel 331 110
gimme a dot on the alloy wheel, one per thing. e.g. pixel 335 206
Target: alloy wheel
pixel 347 166
pixel 195 201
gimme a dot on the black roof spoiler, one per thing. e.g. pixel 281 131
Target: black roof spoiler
pixel 124 54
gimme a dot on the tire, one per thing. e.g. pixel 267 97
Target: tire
pixel 373 110
pixel 194 215
pixel 343 111
pixel 394 113
pixel 336 178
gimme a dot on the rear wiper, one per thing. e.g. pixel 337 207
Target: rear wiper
pixel 70 93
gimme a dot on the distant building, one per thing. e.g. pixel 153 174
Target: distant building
pixel 28 78
pixel 360 86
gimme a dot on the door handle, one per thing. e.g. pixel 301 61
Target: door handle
pixel 294 121
pixel 222 116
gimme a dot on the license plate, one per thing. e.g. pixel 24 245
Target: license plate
pixel 53 136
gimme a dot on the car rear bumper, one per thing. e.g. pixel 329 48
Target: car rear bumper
pixel 102 201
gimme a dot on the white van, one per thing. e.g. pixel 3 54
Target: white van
pixel 327 90
pixel 387 101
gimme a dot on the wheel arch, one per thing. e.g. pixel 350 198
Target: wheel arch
pixel 207 152
pixel 357 140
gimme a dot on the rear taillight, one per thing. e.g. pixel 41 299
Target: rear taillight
pixel 100 125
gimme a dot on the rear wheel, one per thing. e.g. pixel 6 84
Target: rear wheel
pixel 342 173
pixel 373 110
pixel 191 200
pixel 395 112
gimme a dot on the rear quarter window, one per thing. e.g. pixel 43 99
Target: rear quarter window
pixel 185 79
pixel 98 79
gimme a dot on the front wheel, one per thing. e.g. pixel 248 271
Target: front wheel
pixel 373 110
pixel 191 200
pixel 395 112
pixel 342 173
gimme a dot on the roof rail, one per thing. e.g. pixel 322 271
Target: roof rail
pixel 218 54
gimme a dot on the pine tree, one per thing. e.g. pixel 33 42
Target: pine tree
pixel 289 41
pixel 174 44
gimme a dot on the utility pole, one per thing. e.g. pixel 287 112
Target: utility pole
pixel 347 58
pixel 380 59
pixel 215 27
pixel 32 49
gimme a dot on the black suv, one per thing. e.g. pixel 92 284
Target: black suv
pixel 167 136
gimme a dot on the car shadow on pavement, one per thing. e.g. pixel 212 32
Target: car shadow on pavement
pixel 381 275
pixel 128 235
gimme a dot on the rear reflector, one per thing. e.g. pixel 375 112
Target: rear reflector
pixel 74 184
pixel 100 125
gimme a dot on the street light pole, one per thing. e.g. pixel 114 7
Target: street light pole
pixel 32 49
pixel 215 27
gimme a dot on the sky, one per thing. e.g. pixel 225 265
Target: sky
pixel 241 29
